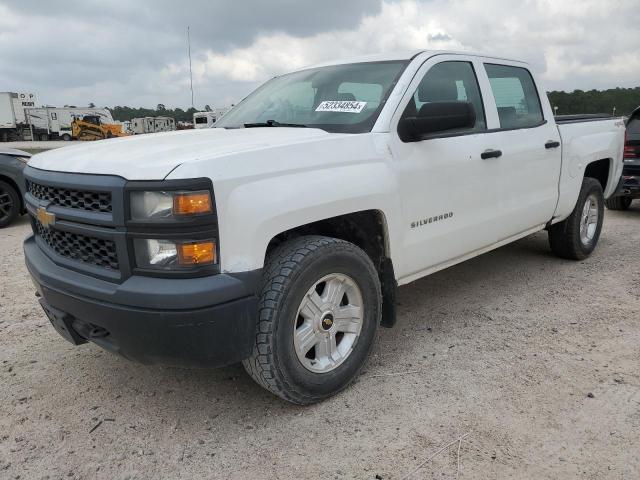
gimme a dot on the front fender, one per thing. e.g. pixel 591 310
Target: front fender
pixel 252 214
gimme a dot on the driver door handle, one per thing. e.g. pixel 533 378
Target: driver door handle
pixel 491 154
pixel 552 144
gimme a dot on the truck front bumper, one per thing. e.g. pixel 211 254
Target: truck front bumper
pixel 204 322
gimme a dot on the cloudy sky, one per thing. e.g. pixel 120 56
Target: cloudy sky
pixel 135 52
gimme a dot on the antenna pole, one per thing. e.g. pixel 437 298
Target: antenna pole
pixel 190 71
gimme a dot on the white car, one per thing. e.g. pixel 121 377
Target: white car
pixel 279 237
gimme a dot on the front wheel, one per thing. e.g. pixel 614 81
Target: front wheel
pixel 577 236
pixel 319 310
pixel 9 204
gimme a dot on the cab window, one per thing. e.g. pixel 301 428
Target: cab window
pixel 515 95
pixel 449 82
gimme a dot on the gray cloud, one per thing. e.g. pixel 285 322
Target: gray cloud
pixel 134 53
pixel 63 49
pixel 219 23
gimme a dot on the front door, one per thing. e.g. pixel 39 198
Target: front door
pixel 450 194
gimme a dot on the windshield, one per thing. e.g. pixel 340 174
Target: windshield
pixel 339 98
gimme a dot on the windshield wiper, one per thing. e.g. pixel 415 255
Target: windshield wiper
pixel 274 123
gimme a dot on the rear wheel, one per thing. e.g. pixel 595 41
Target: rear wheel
pixel 319 310
pixel 9 204
pixel 618 203
pixel 577 236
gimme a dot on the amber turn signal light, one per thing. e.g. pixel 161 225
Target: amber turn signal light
pixel 192 203
pixel 202 253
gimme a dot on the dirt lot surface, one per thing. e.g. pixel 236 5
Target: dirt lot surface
pixel 535 359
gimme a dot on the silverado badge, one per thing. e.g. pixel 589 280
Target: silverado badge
pixel 45 218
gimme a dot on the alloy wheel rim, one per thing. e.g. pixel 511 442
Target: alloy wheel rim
pixel 328 323
pixel 6 204
pixel 589 220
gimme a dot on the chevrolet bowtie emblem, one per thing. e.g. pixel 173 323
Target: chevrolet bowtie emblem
pixel 45 218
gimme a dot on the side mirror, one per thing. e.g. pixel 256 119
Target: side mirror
pixel 437 117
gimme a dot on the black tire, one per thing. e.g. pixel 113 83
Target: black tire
pixel 66 137
pixel 564 237
pixel 618 203
pixel 290 271
pixel 9 204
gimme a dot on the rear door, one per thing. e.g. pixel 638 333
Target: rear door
pixel 529 141
pixel 55 120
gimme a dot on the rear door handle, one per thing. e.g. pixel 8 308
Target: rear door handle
pixel 491 154
pixel 552 144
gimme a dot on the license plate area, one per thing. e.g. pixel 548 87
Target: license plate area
pixel 62 322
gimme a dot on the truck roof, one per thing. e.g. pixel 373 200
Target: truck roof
pixel 402 55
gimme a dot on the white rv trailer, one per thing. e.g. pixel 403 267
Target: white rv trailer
pixel 207 119
pixel 56 122
pixel 203 119
pixel 12 114
pixel 152 125
pixel 20 119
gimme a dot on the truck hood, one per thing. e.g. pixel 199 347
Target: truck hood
pixel 154 156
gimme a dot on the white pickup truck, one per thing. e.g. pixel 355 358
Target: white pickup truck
pixel 279 237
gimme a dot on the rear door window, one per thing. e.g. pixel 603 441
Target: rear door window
pixel 515 95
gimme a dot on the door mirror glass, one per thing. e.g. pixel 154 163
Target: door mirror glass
pixel 437 117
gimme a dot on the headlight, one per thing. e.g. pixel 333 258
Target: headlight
pixel 161 254
pixel 159 205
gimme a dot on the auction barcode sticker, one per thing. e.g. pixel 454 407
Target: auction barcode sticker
pixel 341 106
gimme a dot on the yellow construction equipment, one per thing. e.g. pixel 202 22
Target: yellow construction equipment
pixel 91 128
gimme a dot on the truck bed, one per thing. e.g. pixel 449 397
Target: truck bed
pixel 587 139
pixel 584 117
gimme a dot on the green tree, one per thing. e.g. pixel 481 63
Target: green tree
pixel 625 100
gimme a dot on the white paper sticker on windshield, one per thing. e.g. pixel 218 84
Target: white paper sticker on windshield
pixel 341 106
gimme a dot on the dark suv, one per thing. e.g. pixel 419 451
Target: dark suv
pixel 12 185
pixel 630 188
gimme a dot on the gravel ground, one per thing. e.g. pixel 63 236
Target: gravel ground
pixel 536 360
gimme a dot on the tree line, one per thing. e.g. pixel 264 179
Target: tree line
pixel 624 100
pixel 178 114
